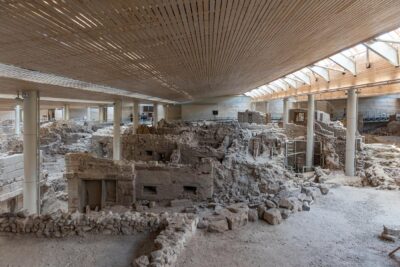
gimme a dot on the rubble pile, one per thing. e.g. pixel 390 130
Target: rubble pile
pixel 380 166
pixel 61 137
pixel 10 145
pixel 63 224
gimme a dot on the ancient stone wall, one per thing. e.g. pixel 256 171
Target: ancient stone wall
pixel 158 181
pixel 253 117
pixel 63 224
pixel 94 182
pixel 11 178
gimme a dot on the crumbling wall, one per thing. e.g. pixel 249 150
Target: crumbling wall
pixel 253 117
pixel 11 179
pixel 379 166
pixel 62 224
pixel 83 171
pixel 61 137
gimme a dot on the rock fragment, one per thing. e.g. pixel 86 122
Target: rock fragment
pixel 272 216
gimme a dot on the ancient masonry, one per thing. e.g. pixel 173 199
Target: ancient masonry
pixel 94 183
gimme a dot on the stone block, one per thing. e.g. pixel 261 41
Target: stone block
pixel 217 224
pixel 272 216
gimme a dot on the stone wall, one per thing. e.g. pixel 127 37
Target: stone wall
pixel 174 230
pixel 147 147
pixel 11 179
pixel 63 224
pixel 158 181
pixel 253 117
pixel 94 182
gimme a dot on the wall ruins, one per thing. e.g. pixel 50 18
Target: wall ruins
pixel 95 183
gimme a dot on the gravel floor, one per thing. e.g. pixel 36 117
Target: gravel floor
pixel 340 230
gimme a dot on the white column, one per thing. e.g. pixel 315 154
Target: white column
pixel 66 112
pixel 117 130
pixel 266 107
pixel 285 117
pixel 17 120
pixel 253 106
pixel 31 152
pixel 105 114
pixel 166 110
pixel 88 114
pixel 101 114
pixel 155 114
pixel 135 114
pixel 351 119
pixel 310 131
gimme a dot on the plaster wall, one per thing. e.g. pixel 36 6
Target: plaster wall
pixel 227 107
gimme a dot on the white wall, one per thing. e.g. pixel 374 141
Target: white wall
pixel 58 114
pixel 77 114
pixel 227 106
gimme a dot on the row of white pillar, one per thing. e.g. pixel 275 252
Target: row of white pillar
pixel 31 113
pixel 351 118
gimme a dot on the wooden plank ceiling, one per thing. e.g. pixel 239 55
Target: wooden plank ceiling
pixel 184 49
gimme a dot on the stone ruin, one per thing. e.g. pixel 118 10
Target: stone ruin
pixel 169 181
pixel 254 117
pixel 95 183
pixel 220 176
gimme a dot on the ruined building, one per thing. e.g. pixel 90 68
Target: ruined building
pixel 199 133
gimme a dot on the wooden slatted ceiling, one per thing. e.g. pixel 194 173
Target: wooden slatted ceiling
pixel 184 49
pixel 377 76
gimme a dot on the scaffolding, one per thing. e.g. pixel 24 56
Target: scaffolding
pixel 295 155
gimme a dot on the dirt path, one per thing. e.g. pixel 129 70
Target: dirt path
pixel 340 230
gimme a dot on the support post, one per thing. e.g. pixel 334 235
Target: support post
pixel 135 114
pixel 117 130
pixel 66 112
pixel 18 120
pixel 285 117
pixel 351 119
pixel 310 131
pixel 105 114
pixel 31 152
pixel 266 107
pixel 155 114
pixel 101 114
pixel 88 114
pixel 253 106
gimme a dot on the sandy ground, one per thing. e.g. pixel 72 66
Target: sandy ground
pixel 340 230
pixel 91 250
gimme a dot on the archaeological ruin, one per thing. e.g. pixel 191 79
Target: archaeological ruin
pixel 199 133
